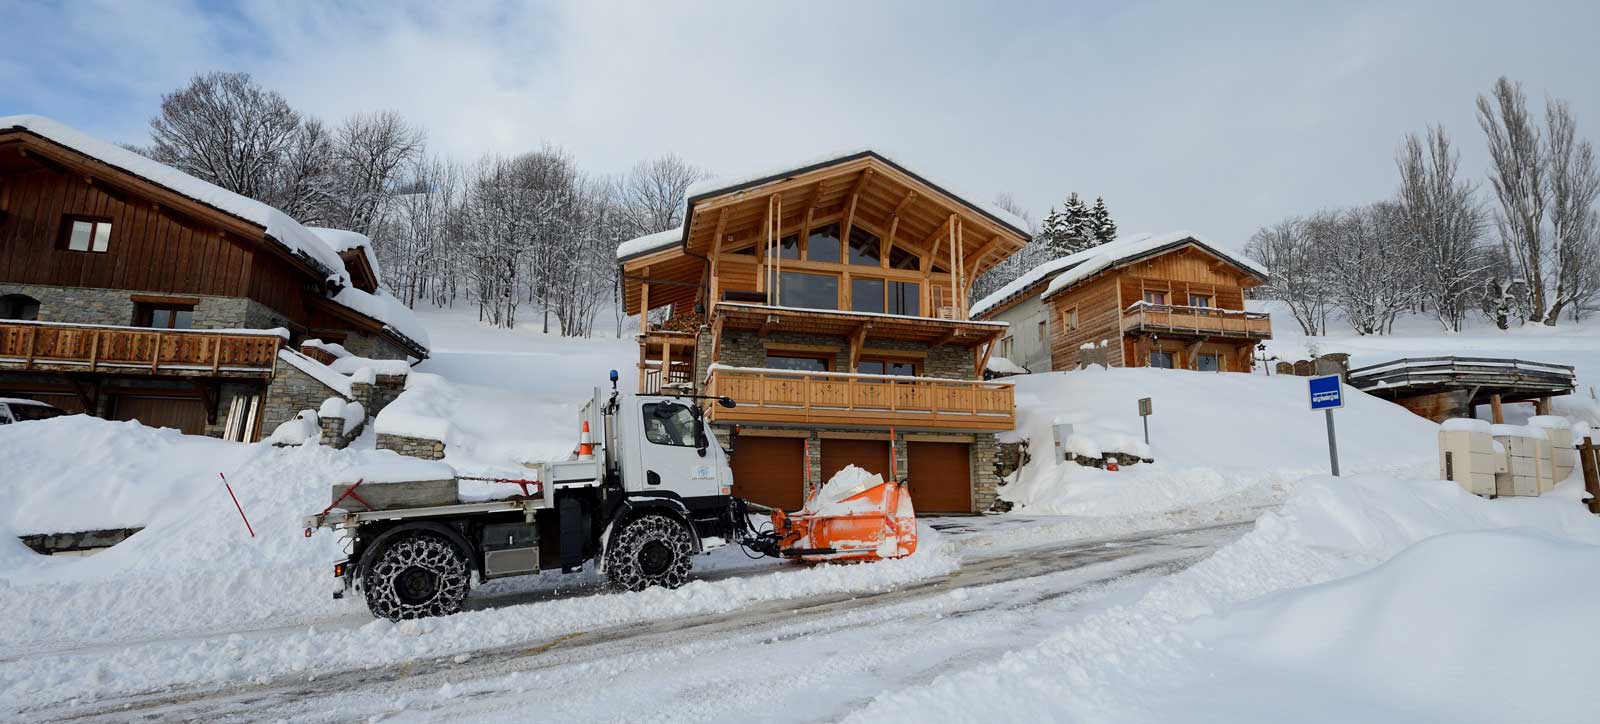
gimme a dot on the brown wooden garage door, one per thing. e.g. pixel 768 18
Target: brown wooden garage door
pixel 769 470
pixel 187 414
pixel 869 455
pixel 940 474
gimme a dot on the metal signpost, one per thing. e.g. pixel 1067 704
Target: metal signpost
pixel 1144 415
pixel 1327 394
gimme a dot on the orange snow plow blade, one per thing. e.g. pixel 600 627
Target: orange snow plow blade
pixel 873 523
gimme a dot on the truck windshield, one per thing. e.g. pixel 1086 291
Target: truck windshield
pixel 669 423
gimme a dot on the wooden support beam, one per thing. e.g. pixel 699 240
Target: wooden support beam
pixel 716 251
pixel 1497 414
pixel 857 341
pixel 850 210
pixel 983 359
pixel 900 208
pixel 644 305
pixel 767 325
pixel 933 242
pixel 888 245
pixel 716 339
pixel 984 252
pixel 208 397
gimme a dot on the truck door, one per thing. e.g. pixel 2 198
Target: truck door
pixel 669 458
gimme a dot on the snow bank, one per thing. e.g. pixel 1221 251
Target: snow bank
pixel 384 307
pixel 422 410
pixel 1212 436
pixel 1476 616
pixel 78 473
pixel 298 430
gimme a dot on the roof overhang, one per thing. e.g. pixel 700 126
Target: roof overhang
pixel 826 322
pixel 1186 242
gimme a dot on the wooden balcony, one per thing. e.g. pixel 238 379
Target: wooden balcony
pixel 106 349
pixel 848 400
pixel 1171 319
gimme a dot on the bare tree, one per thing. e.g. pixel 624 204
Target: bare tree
pixel 1518 182
pixel 1573 186
pixel 1446 224
pixel 370 151
pixel 1298 276
pixel 226 129
pixel 1035 253
pixel 652 195
pixel 1371 266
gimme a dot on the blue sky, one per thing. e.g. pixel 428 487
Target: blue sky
pixel 1216 117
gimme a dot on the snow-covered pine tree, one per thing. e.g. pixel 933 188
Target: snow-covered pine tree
pixel 1104 229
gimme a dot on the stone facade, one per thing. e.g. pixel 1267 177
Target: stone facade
pixel 417 447
pixel 372 346
pixel 89 305
pixel 290 392
pixel 985 481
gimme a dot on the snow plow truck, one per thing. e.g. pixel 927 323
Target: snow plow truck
pixel 640 502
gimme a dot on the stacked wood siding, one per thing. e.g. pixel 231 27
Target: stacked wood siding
pixel 1099 312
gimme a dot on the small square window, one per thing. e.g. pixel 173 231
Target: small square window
pixel 85 234
pixel 1153 297
pixel 1069 318
pixel 165 316
pixel 1199 300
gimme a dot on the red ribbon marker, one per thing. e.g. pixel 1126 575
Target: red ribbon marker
pixel 236 504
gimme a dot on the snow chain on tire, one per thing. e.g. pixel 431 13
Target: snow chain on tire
pixel 634 561
pixel 415 577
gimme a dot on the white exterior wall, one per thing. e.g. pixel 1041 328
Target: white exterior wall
pixel 1027 348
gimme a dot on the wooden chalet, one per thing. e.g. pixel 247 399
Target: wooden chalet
pixel 829 302
pixel 132 291
pixel 1173 300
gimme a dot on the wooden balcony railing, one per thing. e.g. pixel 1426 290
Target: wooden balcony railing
pixel 778 396
pixel 136 350
pixel 1206 321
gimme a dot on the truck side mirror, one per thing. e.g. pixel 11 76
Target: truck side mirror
pixel 727 402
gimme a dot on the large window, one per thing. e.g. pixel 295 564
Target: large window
pixel 823 244
pixel 808 291
pixel 669 423
pixel 798 363
pixel 164 316
pixel 885 366
pixel 903 298
pixel 86 234
pixel 18 306
pixel 1199 300
pixel 866 295
pixel 789 247
pixel 901 259
pixel 1161 359
pixel 863 247
pixel 1208 362
pixel 1155 297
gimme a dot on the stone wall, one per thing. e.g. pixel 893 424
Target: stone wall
pixel 290 392
pixel 985 480
pixel 373 346
pixel 416 447
pixel 89 305
pixel 747 349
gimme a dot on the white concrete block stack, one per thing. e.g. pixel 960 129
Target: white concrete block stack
pixel 1467 455
pixel 1531 463
pixel 1559 431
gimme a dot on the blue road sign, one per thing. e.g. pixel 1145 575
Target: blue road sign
pixel 1326 392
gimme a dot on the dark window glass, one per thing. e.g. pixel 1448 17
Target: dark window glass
pixel 1199 300
pixel 669 423
pixel 870 367
pixel 901 259
pixel 903 299
pixel 863 247
pixel 887 367
pixel 789 247
pixel 1161 359
pixel 1209 362
pixel 823 244
pixel 18 306
pixel 808 291
pixel 866 295
pixel 165 316
pixel 798 364
pixel 1155 297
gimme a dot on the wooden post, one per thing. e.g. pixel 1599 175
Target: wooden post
pixel 1496 413
pixel 666 363
pixel 94 350
pixel 644 305
pixel 1542 406
pixel 1589 459
pixel 155 358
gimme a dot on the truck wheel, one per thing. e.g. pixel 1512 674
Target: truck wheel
pixel 416 576
pixel 651 550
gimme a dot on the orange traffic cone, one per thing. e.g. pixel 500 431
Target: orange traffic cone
pixel 585 445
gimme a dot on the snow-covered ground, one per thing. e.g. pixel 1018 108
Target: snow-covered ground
pixel 1384 595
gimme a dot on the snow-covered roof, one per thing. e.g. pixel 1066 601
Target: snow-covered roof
pixel 321 246
pixel 280 226
pixel 1003 366
pixel 649 242
pixel 20 401
pixel 340 241
pixel 384 307
pixel 317 370
pixel 1116 252
pixel 717 184
pixel 1029 278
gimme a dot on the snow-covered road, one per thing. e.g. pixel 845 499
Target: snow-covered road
pixel 800 659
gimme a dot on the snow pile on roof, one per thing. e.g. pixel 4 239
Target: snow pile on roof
pixel 1003 366
pixel 333 348
pixel 1363 599
pixel 317 370
pixel 718 183
pixel 385 308
pixel 1213 436
pixel 278 225
pixel 298 430
pixel 402 470
pixel 1110 254
pixel 649 242
pixel 341 240
pixel 353 364
pixel 1031 277
pixel 352 414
